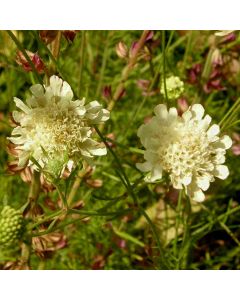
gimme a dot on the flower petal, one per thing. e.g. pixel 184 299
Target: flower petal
pixel 21 105
pixel 66 91
pixel 221 171
pixel 203 182
pixel 226 141
pixel 144 167
pixel 187 180
pixel 198 196
pixel 172 116
pixel 213 131
pixel 37 90
pixel 187 115
pixel 155 174
pixel 56 84
pixel 161 111
pixel 198 110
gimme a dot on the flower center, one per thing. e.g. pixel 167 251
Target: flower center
pixel 190 154
pixel 56 131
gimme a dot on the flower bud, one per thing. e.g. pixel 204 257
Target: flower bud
pixel 182 105
pixel 70 35
pixel 149 35
pixel 107 92
pixel 216 58
pixel 174 86
pixel 122 50
pixel 143 84
pixel 94 183
pixel 34 57
pixel 194 73
pixel 48 36
pixel 229 38
pixel 133 49
pixel 11 226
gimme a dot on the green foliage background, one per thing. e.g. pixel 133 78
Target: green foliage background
pixel 118 237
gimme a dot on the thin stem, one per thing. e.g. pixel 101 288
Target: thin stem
pixel 225 119
pixel 63 199
pixel 25 257
pixel 188 48
pixel 229 232
pixel 47 218
pixel 82 55
pixel 55 46
pixel 204 228
pixel 178 212
pixel 77 183
pixel 129 189
pixel 184 251
pixel 34 188
pixel 164 65
pixel 104 63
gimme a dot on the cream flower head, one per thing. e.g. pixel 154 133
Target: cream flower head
pixel 53 127
pixel 186 147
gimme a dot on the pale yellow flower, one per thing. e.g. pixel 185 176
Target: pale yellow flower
pixel 186 147
pixel 54 127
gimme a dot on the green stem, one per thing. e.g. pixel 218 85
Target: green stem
pixel 205 228
pixel 164 65
pixel 224 121
pixel 184 252
pixel 82 55
pixel 104 63
pixel 76 184
pixel 129 189
pixel 178 211
pixel 25 257
pixel 188 48
pixel 63 199
pixel 47 218
pixel 34 188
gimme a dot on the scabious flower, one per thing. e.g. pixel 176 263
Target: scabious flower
pixel 54 129
pixel 174 87
pixel 186 147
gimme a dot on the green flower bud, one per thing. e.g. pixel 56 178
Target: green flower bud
pixel 11 226
pixel 174 86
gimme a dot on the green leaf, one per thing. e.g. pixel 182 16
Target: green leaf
pixel 128 237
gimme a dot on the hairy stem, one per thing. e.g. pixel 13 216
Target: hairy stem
pixel 76 184
pixel 82 55
pixel 178 217
pixel 25 257
pixel 34 188
pixel 164 65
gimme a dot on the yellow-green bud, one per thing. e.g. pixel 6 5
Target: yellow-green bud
pixel 11 226
pixel 174 87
